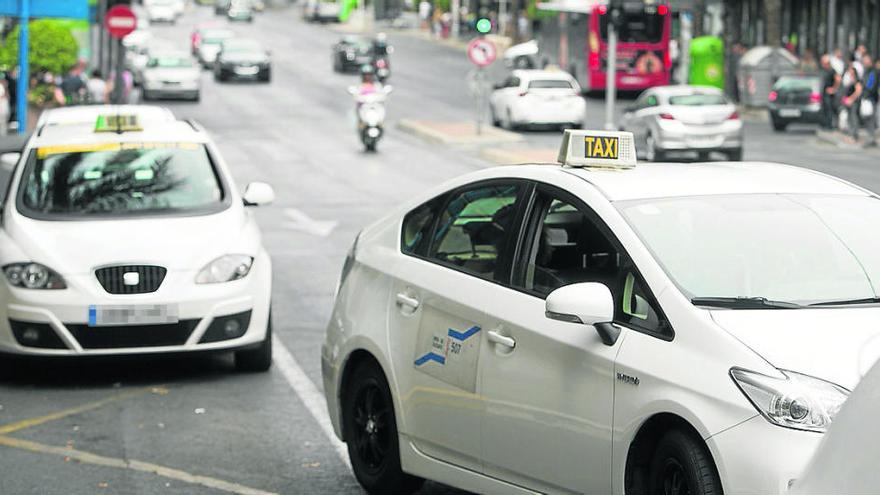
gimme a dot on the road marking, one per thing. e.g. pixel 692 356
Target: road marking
pixel 308 393
pixel 299 220
pixel 135 465
pixel 31 422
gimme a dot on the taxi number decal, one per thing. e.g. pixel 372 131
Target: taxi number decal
pixel 601 147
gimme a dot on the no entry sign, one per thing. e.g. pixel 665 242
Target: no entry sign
pixel 120 21
pixel 481 52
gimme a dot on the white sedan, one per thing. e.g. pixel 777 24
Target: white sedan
pixel 604 327
pixel 537 98
pixel 124 235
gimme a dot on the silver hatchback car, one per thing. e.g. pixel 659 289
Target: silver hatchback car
pixel 673 119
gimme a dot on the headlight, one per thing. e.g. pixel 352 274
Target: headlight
pixel 225 269
pixel 33 276
pixel 798 401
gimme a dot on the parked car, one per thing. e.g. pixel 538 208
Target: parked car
pixel 221 6
pixel 240 11
pixel 320 11
pixel 537 97
pixel 795 100
pixel 162 11
pixel 684 119
pixel 352 52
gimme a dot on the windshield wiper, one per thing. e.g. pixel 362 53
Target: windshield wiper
pixel 848 302
pixel 744 303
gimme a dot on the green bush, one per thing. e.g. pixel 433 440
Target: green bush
pixel 53 47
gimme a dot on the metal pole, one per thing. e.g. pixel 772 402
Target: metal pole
pixel 610 76
pixel 362 9
pixel 456 18
pixel 480 98
pixel 23 64
pixel 832 13
pixel 502 17
pixel 119 80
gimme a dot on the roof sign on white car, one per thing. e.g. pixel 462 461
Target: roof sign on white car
pixel 118 123
pixel 597 149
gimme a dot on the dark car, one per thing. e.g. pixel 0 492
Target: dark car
pixel 221 6
pixel 241 58
pixel 795 99
pixel 351 52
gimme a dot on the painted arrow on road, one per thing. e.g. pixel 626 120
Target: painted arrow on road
pixel 299 220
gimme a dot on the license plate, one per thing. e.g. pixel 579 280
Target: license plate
pixel 789 112
pixel 630 80
pixel 247 71
pixel 132 314
pixel 705 142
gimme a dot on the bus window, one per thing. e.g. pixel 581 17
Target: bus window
pixel 637 27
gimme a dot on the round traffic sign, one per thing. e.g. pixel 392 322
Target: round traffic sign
pixel 481 52
pixel 120 21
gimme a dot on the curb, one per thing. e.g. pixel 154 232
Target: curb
pixel 835 138
pixel 433 131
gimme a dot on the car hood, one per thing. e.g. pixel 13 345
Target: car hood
pixel 705 114
pixel 835 344
pixel 172 73
pixel 179 243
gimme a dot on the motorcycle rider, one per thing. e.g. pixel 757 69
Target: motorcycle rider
pixel 369 85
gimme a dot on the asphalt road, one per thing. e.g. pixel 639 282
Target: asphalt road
pixel 191 424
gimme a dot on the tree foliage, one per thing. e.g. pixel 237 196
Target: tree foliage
pixel 52 47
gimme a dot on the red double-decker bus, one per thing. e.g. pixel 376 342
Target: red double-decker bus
pixel 578 41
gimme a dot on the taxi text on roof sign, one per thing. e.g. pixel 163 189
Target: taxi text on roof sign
pixel 597 149
pixel 118 123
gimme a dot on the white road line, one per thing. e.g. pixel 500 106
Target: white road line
pixel 308 393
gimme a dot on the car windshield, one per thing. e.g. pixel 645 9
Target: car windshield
pixel 697 100
pixel 241 46
pixel 216 37
pixel 170 61
pixel 119 179
pixel 797 84
pixel 637 27
pixel 549 84
pixel 803 249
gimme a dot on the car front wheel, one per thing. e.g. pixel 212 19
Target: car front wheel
pixel 681 465
pixel 371 433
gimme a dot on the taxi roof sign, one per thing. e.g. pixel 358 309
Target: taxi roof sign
pixel 118 123
pixel 597 149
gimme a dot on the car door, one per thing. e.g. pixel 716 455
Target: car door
pixel 549 385
pixel 502 97
pixel 436 319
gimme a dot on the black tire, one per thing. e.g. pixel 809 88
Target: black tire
pixel 735 155
pixel 493 117
pixel 703 156
pixel 258 359
pixel 779 125
pixel 371 433
pixel 146 96
pixel 681 465
pixel 267 76
pixel 652 152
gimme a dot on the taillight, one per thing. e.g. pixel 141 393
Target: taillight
pixel 603 10
pixel 667 116
pixel 815 98
pixel 662 10
pixel 772 96
pixel 734 116
pixel 594 60
pixel 667 60
pixel 381 63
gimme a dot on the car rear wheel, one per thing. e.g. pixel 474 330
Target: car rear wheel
pixel 258 359
pixel 735 155
pixel 778 125
pixel 652 153
pixel 681 465
pixel 371 433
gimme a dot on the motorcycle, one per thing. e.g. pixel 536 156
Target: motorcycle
pixel 383 68
pixel 370 115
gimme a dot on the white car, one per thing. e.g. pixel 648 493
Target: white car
pixel 604 327
pixel 162 10
pixel 171 74
pixel 537 97
pixel 160 251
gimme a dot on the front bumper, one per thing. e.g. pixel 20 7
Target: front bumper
pixel 758 458
pixel 66 314
pixel 164 90
pixel 244 72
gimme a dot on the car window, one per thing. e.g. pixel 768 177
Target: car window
pixel 698 100
pixel 417 224
pixel 549 84
pixel 513 82
pixel 568 247
pixel 474 229
pixel 119 179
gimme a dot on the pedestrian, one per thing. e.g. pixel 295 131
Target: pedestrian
pixel 852 93
pixel 830 85
pixel 868 106
pixel 97 88
pixel 837 61
pixel 73 87
pixel 522 26
pixel 425 14
pixel 5 108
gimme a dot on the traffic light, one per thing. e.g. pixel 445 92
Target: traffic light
pixel 483 25
pixel 615 13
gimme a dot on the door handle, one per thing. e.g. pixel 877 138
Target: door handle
pixel 496 338
pixel 407 301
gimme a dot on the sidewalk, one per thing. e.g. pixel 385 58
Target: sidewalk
pixel 839 139
pixel 458 133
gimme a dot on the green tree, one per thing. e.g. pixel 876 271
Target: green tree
pixel 52 47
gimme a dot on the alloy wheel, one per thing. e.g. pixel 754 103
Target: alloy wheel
pixel 372 438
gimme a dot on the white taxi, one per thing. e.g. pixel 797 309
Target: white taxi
pixel 122 236
pixel 604 327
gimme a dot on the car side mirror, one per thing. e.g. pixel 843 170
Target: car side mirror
pixel 258 194
pixel 587 303
pixel 8 161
